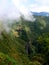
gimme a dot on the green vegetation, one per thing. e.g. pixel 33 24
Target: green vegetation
pixel 29 46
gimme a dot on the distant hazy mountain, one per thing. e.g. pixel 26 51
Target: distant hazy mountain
pixel 40 13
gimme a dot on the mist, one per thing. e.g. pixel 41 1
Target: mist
pixel 11 11
pixel 4 22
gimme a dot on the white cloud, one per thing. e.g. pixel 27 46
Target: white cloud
pixel 42 1
pixel 11 8
pixel 37 8
pixel 8 9
pixel 21 6
pixel 23 9
pixel 40 5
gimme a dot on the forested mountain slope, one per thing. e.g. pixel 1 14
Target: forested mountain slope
pixel 27 43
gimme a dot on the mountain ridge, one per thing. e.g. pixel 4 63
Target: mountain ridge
pixel 40 13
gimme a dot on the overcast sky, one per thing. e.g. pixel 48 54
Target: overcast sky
pixel 11 8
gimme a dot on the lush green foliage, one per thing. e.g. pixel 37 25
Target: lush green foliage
pixel 32 45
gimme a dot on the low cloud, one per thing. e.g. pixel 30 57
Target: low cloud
pixel 13 9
